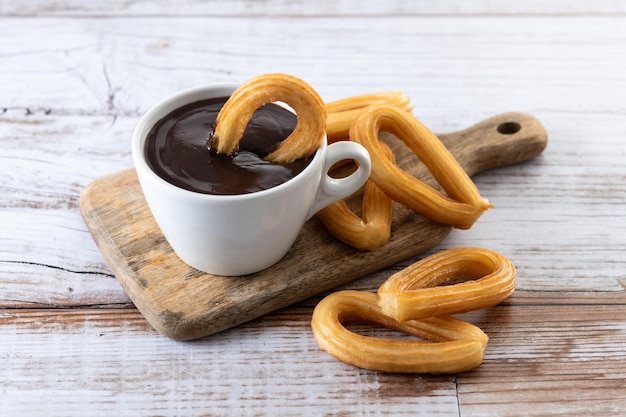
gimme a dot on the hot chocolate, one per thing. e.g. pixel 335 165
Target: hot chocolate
pixel 178 150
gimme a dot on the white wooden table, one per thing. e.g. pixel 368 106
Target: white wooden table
pixel 75 76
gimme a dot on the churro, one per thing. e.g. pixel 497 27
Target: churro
pixel 254 93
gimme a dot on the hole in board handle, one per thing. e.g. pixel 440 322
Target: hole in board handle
pixel 508 128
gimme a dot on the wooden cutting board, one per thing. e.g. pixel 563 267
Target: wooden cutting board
pixel 184 303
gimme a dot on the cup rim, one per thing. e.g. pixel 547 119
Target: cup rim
pixel 179 99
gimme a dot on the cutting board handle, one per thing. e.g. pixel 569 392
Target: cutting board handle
pixel 504 139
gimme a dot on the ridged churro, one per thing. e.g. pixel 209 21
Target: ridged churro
pixel 416 291
pixel 372 229
pixel 254 93
pixel 451 345
pixel 463 204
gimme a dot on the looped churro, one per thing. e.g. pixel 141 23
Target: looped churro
pixel 411 302
pixel 374 228
pixel 341 113
pixel 460 208
pixel 456 345
pixel 366 233
pixel 415 292
pixel 254 93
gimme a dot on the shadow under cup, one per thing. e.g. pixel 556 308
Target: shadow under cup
pixel 243 233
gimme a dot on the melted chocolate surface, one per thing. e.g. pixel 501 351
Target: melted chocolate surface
pixel 177 149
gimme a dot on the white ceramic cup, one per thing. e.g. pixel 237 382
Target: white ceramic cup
pixel 246 233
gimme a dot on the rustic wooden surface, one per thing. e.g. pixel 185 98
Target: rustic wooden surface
pixel 183 303
pixel 76 76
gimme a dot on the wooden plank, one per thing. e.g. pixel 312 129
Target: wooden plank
pixel 446 64
pixel 47 257
pixel 271 366
pixel 344 8
pixel 37 285
pixel 546 360
pixel 541 360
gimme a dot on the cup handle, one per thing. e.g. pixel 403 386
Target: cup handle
pixel 335 189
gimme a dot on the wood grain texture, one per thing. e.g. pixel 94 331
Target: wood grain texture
pixel 266 372
pixel 120 66
pixel 184 303
pixel 539 361
pixel 346 8
pixel 76 75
